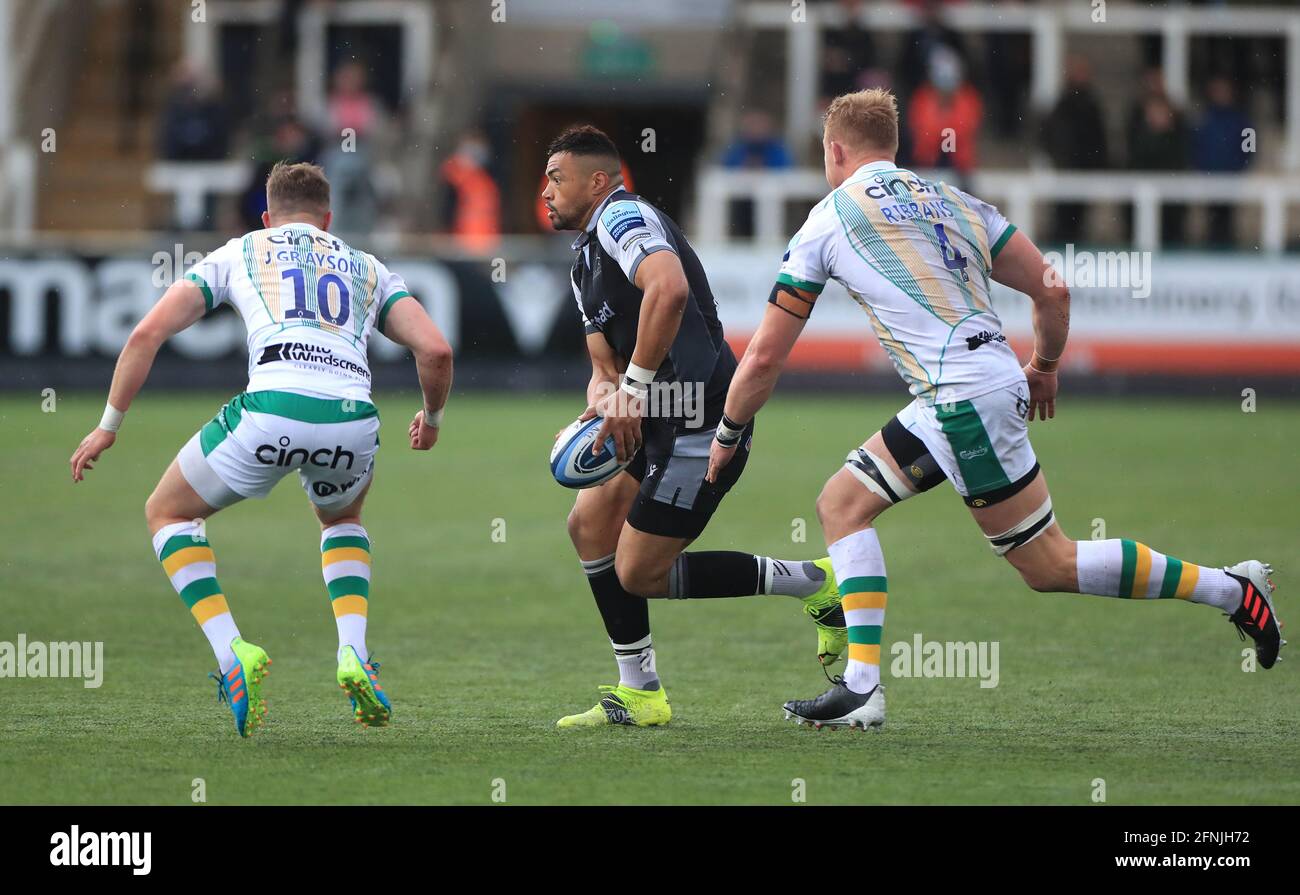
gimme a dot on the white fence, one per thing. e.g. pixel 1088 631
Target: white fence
pixel 1015 192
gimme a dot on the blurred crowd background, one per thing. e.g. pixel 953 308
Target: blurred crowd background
pixel 429 115
pixel 129 126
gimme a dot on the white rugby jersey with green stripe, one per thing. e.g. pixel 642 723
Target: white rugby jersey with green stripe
pixel 309 302
pixel 916 256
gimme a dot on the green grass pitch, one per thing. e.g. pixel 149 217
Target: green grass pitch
pixel 485 642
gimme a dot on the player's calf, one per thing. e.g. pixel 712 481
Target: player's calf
pixel 1046 563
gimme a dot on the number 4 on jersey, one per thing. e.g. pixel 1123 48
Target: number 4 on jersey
pixel 953 259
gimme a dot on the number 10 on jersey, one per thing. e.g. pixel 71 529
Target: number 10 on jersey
pixel 300 309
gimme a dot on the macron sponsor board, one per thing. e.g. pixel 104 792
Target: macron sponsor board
pixel 1182 313
pixel 97 303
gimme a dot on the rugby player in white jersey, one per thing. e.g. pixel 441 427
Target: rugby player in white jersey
pixel 309 302
pixel 918 257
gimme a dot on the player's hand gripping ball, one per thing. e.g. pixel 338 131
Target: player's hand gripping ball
pixel 572 462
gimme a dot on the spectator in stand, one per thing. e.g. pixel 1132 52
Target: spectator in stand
pixel 1158 141
pixel 943 117
pixel 1074 137
pixel 193 122
pixel 284 138
pixel 473 197
pixel 757 145
pixel 1217 148
pixel 846 53
pixel 355 117
pixel 920 44
pixel 351 104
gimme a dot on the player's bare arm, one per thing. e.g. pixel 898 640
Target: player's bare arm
pixel 605 372
pixel 759 370
pixel 408 325
pixel 664 293
pixel 1021 266
pixel 180 307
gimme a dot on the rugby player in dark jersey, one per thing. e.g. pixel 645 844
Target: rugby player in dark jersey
pixel 660 369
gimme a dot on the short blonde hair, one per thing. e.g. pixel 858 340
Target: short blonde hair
pixel 866 119
pixel 300 187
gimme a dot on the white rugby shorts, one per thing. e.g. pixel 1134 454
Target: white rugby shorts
pixel 259 437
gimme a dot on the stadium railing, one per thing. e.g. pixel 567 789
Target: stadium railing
pixel 415 19
pixel 190 184
pixel 27 81
pixel 1049 26
pixel 18 196
pixel 1016 192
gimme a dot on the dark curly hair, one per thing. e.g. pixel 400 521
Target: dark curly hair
pixel 583 139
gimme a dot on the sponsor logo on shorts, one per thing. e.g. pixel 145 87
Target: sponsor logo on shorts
pixel 306 353
pixel 286 455
pixel 329 489
pixel 1022 404
pixel 975 453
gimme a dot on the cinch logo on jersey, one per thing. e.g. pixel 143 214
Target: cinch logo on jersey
pixel 302 240
pixel 898 186
pixel 306 353
pixel 267 455
pixel 78 849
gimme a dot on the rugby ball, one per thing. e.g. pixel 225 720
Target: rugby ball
pixel 572 462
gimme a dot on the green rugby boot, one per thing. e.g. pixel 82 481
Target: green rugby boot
pixel 360 680
pixel 623 705
pixel 823 607
pixel 240 688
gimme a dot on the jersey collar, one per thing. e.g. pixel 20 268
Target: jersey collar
pixel 585 236
pixel 879 165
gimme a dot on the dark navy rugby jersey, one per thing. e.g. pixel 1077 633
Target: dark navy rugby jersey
pixel 623 231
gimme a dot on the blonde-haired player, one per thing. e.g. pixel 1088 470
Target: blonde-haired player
pixel 919 258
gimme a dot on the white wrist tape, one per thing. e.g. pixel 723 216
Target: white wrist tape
pixel 640 375
pixel 728 432
pixel 634 389
pixel 433 419
pixel 112 419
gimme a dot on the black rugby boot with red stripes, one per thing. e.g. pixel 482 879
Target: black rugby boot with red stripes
pixel 1256 615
